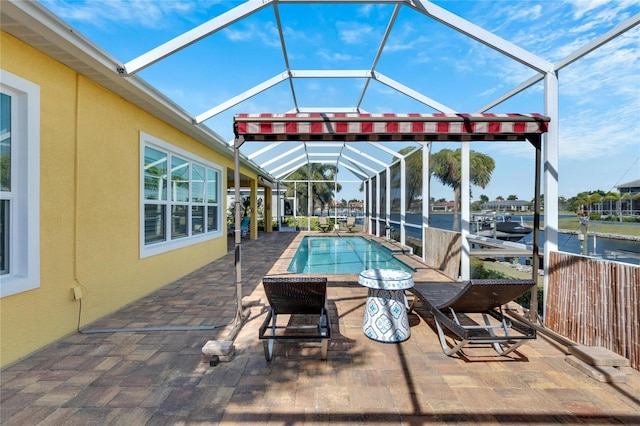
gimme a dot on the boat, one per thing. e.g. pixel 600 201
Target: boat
pixel 499 226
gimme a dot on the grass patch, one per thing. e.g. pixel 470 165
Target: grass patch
pixel 573 224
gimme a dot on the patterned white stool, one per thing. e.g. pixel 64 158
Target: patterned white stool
pixel 385 315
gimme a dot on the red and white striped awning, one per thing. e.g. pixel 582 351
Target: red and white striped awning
pixel 389 127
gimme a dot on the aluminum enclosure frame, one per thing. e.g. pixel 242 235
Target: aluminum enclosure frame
pixel 361 128
pixel 542 71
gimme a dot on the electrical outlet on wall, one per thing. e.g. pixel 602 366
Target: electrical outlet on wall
pixel 77 292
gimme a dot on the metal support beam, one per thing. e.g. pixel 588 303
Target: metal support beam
pixel 377 212
pixel 403 200
pixel 367 156
pixel 533 304
pixel 426 193
pixel 300 162
pixel 383 42
pixel 359 164
pixel 353 170
pixel 330 73
pixel 267 84
pixel 481 35
pixel 465 190
pixel 186 39
pixel 263 150
pixel 551 173
pixel 511 93
pixel 598 42
pixel 389 151
pixel 568 60
pixel 285 55
pixel 387 197
pixel 237 234
pixel 280 157
pixel 431 103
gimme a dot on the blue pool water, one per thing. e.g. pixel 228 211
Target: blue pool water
pixel 342 255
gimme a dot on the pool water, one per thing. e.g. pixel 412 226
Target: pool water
pixel 342 255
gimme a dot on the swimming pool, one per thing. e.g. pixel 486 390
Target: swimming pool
pixel 342 255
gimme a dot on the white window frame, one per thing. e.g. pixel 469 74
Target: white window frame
pixel 24 197
pixel 148 250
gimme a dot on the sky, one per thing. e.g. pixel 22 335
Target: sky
pixel 599 103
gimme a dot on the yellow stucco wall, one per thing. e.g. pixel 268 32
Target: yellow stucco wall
pixel 89 206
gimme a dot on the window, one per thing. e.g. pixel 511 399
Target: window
pixel 5 181
pixel 180 202
pixel 19 184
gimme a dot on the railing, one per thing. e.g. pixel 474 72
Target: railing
pixel 596 303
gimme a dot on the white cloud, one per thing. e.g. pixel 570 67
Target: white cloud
pixel 365 10
pixel 591 133
pixel 488 92
pixel 584 7
pixel 266 32
pixel 354 32
pixel 313 86
pixel 406 44
pixel 335 56
pixel 304 36
pixel 527 14
pixel 149 14
pixel 405 37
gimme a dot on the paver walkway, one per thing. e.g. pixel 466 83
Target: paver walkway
pixel 160 377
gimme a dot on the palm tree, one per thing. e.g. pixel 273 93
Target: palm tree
pixel 413 176
pixel 594 198
pixel 612 196
pixel 582 200
pixel 446 167
pixel 321 192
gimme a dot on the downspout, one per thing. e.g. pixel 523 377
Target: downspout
pixel 533 304
pixel 76 183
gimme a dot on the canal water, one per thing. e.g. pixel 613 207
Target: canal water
pixel 600 247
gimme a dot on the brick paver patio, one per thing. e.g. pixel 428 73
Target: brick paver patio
pixel 161 377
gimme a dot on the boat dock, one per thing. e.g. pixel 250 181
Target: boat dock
pixel 485 247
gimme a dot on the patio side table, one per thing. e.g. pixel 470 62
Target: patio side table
pixel 385 314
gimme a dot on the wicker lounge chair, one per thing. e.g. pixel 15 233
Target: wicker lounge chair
pixel 449 303
pixel 304 301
